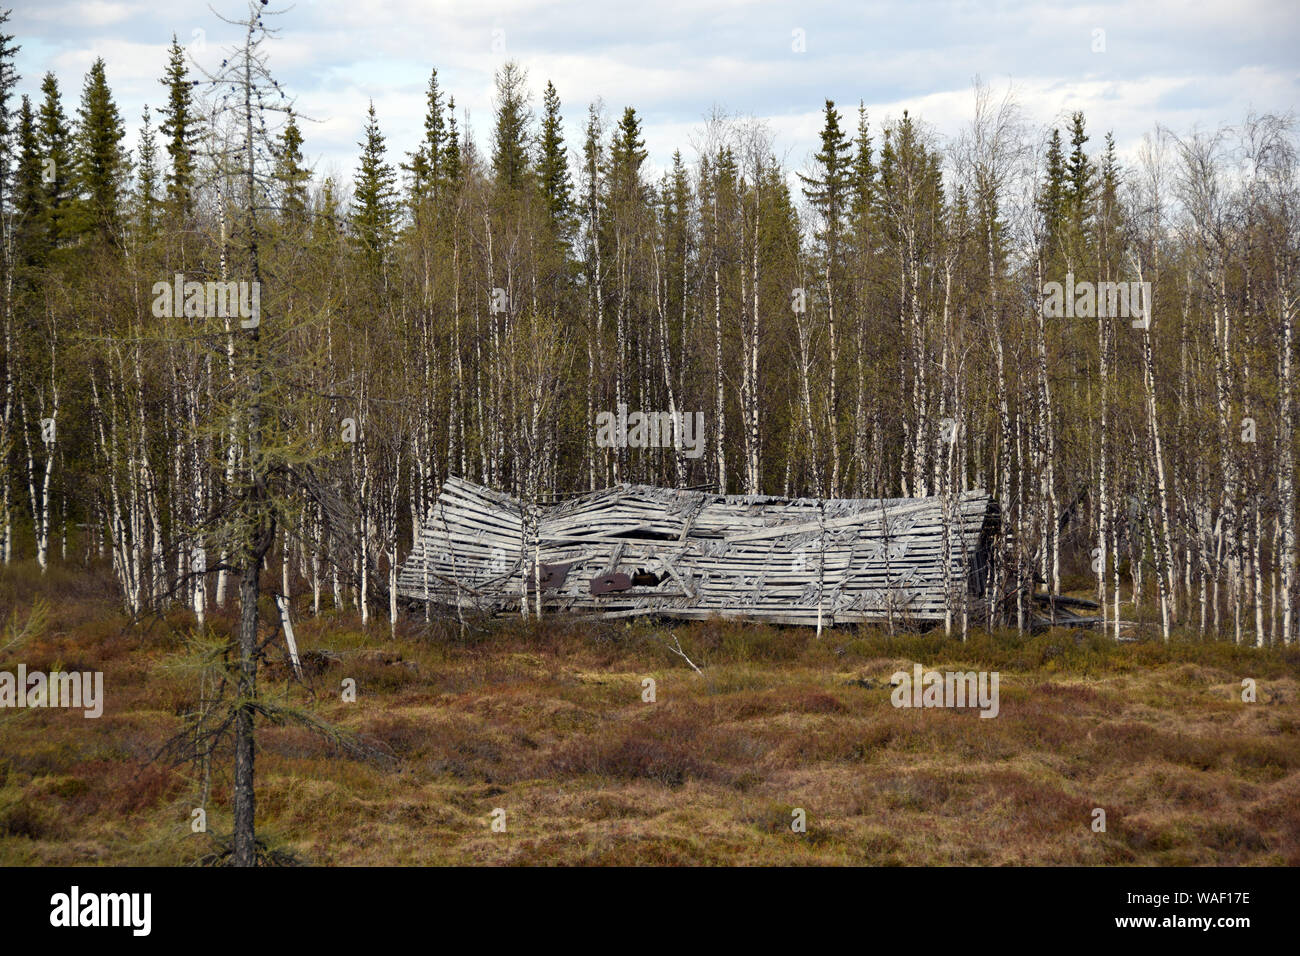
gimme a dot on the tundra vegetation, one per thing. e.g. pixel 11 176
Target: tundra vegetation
pixel 547 721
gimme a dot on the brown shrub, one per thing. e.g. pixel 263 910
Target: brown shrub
pixel 665 750
pixel 1233 837
pixel 30 818
pixel 919 790
pixel 117 788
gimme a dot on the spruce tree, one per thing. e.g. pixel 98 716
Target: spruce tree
pixel 677 229
pixel 326 223
pixel 101 162
pixel 594 168
pixel 678 194
pixel 828 188
pixel 374 214
pixel 1079 172
pixel 594 164
pixel 417 166
pixel 8 78
pixel 1080 185
pixel 1052 194
pixel 434 127
pixel 510 135
pixel 1110 219
pixel 863 180
pixel 54 149
pixel 426 165
pixel 553 167
pixel 451 161
pixel 290 176
pixel 627 153
pixel 179 130
pixel 146 179
pixel 32 237
pixel 33 240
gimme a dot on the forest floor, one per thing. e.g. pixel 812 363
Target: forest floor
pixel 548 724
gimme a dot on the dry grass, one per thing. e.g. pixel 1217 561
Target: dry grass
pixel 548 723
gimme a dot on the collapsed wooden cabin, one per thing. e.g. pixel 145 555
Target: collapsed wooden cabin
pixel 635 549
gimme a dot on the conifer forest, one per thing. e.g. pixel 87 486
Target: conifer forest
pixel 872 325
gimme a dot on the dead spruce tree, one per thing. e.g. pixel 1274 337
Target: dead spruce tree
pixel 248 520
pixel 260 410
pixel 270 418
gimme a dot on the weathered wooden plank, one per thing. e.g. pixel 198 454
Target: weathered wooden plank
pixel 733 554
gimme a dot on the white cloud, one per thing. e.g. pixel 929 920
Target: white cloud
pixel 95 13
pixel 1164 61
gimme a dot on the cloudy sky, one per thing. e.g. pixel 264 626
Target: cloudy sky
pixel 1127 65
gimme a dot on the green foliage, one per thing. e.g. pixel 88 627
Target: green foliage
pixel 292 177
pixel 15 636
pixel 100 161
pixel 54 157
pixel 626 155
pixel 511 132
pixel 830 187
pixel 374 198
pixel 1052 195
pixel 435 160
pixel 863 183
pixel 553 167
pixel 8 80
pixel 180 130
pixel 33 240
pixel 146 181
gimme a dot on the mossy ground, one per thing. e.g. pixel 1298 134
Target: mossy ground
pixel 547 723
